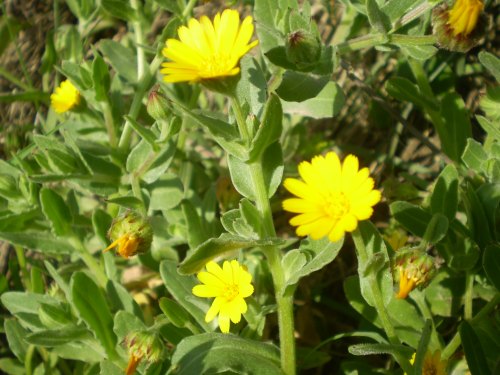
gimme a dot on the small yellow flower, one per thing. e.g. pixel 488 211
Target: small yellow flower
pixel 414 268
pixel 229 285
pixel 463 16
pixel 333 197
pixel 65 97
pixel 433 365
pixel 127 245
pixel 208 50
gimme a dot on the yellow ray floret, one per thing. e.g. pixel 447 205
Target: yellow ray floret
pixel 229 285
pixel 65 97
pixel 464 15
pixel 206 49
pixel 331 198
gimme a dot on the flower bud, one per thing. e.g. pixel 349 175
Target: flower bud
pixel 413 267
pixel 158 106
pixel 132 233
pixel 461 27
pixel 142 345
pixel 303 48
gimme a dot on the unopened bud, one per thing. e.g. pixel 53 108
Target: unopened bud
pixel 142 345
pixel 412 268
pixel 303 48
pixel 132 233
pixel 461 27
pixel 158 106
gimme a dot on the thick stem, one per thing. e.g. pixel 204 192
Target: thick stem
pixel 469 285
pixel 139 41
pixel 419 298
pixel 89 261
pixel 285 303
pixel 378 300
pixel 110 124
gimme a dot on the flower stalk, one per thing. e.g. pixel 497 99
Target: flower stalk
pixel 285 303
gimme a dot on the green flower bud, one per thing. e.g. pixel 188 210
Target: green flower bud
pixel 303 48
pixel 132 233
pixel 158 106
pixel 142 345
pixel 412 267
pixel 461 27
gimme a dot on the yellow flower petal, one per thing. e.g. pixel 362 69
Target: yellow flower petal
pixel 332 197
pixel 207 50
pixel 65 97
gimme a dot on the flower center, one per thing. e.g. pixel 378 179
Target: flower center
pixel 336 206
pixel 216 65
pixel 230 292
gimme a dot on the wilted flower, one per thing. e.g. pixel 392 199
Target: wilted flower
pixel 207 50
pixel 333 197
pixel 142 345
pixel 65 97
pixel 413 267
pixel 132 233
pixel 461 27
pixel 229 285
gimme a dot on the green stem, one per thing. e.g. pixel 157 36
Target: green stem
pixel 284 303
pixel 135 107
pixel 378 300
pixel 89 261
pixel 139 41
pixel 21 260
pixel 419 298
pixel 456 341
pixel 110 124
pixel 469 286
pixel 189 7
pixel 28 359
pixel 377 39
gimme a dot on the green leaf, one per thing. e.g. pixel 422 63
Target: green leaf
pixel 175 313
pixel 171 6
pixel 267 31
pixel 119 9
pixel 491 62
pixel 473 350
pixel 208 250
pixel 88 351
pixel 476 217
pixel 404 90
pixel 412 217
pixel 489 196
pixel 27 96
pixel 16 335
pixel 298 87
pixel 93 309
pixel 252 86
pixel 419 52
pixel 121 58
pixel 12 367
pixel 437 229
pixel 57 278
pixel 195 230
pixel 376 349
pixel 57 337
pixel 180 288
pixel 310 257
pixel 352 290
pixel 150 165
pixel 121 299
pixel 326 104
pixel 54 316
pixel 270 128
pixel 457 125
pixel 143 132
pixel 224 134
pixel 491 264
pixel 444 198
pixel 474 155
pixel 101 222
pixel 38 241
pixel 128 202
pixel 374 246
pixel 100 78
pixel 216 353
pixel 272 163
pixel 56 211
pixel 422 348
pixel 166 193
pixel 490 127
pixel 378 19
pixel 125 323
pixel 395 9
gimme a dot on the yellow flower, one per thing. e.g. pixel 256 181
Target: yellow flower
pixel 65 97
pixel 229 285
pixel 414 268
pixel 463 16
pixel 432 364
pixel 127 245
pixel 208 50
pixel 332 198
